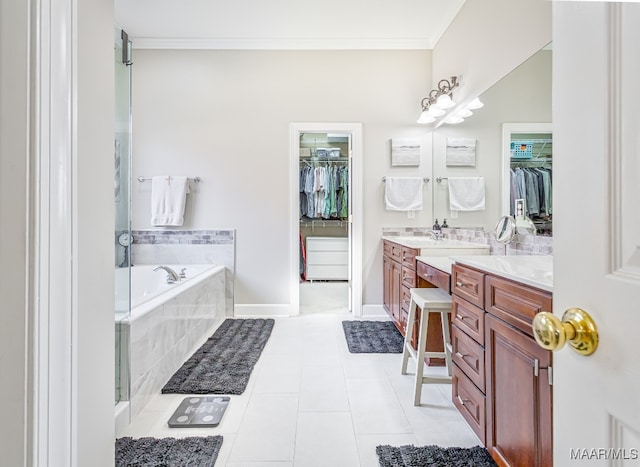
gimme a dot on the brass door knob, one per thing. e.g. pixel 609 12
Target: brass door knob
pixel 576 326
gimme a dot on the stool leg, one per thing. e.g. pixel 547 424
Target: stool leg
pixel 407 336
pixel 422 343
pixel 447 339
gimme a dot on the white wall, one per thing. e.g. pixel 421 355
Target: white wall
pixel 224 116
pixel 522 96
pixel 14 23
pixel 488 39
pixel 94 231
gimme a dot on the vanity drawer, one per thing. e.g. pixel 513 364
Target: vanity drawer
pixel 409 257
pixel 434 276
pixel 392 250
pixel 408 276
pixel 468 284
pixel 470 402
pixel 405 298
pixel 468 318
pixel 515 303
pixel 469 356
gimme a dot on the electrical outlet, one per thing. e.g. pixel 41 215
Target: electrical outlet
pixel 411 214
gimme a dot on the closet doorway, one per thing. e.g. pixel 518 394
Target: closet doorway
pixel 326 218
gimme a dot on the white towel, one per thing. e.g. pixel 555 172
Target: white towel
pixel 168 197
pixel 466 193
pixel 403 193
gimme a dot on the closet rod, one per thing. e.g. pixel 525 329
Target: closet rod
pixel 426 179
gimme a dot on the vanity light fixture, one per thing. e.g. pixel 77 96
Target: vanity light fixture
pixel 438 100
pixel 475 104
pixel 454 119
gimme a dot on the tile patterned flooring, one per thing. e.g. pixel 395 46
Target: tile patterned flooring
pixel 311 403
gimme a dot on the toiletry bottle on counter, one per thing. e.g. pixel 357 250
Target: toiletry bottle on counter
pixel 444 224
pixel 436 226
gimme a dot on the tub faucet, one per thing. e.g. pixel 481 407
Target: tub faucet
pixel 172 276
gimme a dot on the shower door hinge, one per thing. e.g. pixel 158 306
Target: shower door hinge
pixel 350 153
pixel 350 218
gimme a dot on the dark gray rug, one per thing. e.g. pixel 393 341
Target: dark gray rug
pixel 224 363
pixel 433 456
pixel 372 337
pixel 168 452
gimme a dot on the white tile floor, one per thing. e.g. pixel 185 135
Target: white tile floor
pixel 311 403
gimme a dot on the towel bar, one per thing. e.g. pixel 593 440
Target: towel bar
pixel 144 179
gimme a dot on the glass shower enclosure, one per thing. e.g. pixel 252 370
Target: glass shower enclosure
pixel 122 199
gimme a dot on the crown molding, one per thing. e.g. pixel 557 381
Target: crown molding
pixel 281 44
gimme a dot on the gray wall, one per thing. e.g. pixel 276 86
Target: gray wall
pixel 225 115
pixel 14 23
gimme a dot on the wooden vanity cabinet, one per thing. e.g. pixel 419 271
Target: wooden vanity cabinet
pixel 519 422
pixel 399 266
pixel 467 346
pixel 401 272
pixel 501 377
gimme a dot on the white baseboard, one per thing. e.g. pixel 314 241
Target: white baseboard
pixel 374 311
pixel 262 310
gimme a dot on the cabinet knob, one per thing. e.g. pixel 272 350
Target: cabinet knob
pixel 577 327
pixel 463 284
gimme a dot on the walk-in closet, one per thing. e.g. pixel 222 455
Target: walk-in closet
pixel 531 161
pixel 325 211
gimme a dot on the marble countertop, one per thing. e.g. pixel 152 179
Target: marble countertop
pixel 442 263
pixel 428 242
pixel 533 270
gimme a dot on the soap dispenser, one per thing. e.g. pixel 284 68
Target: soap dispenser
pixel 444 224
pixel 436 226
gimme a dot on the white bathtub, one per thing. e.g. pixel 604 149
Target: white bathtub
pixel 148 287
pixel 167 323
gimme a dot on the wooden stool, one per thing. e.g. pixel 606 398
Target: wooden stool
pixel 431 300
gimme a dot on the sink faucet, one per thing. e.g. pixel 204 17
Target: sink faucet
pixel 172 276
pixel 435 235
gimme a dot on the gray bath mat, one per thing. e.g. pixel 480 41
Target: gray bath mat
pixel 167 452
pixel 433 456
pixel 224 363
pixel 372 337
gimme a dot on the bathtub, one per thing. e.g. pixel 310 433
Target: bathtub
pixel 167 323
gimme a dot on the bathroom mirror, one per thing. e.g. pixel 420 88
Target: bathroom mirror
pixel 519 106
pixel 525 226
pixel 505 229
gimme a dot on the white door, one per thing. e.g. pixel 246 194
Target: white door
pixel 596 119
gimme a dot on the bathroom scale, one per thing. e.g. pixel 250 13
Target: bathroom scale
pixel 199 411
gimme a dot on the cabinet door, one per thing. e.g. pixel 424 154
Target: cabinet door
pixel 386 287
pixel 519 426
pixel 396 291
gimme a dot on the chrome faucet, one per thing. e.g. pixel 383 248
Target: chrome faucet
pixel 435 235
pixel 172 276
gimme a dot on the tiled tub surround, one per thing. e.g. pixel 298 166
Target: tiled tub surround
pixel 521 245
pixel 188 247
pixel 166 330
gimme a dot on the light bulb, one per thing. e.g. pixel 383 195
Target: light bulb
pixel 445 101
pixel 454 119
pixel 425 118
pixel 475 104
pixel 435 111
pixel 464 113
